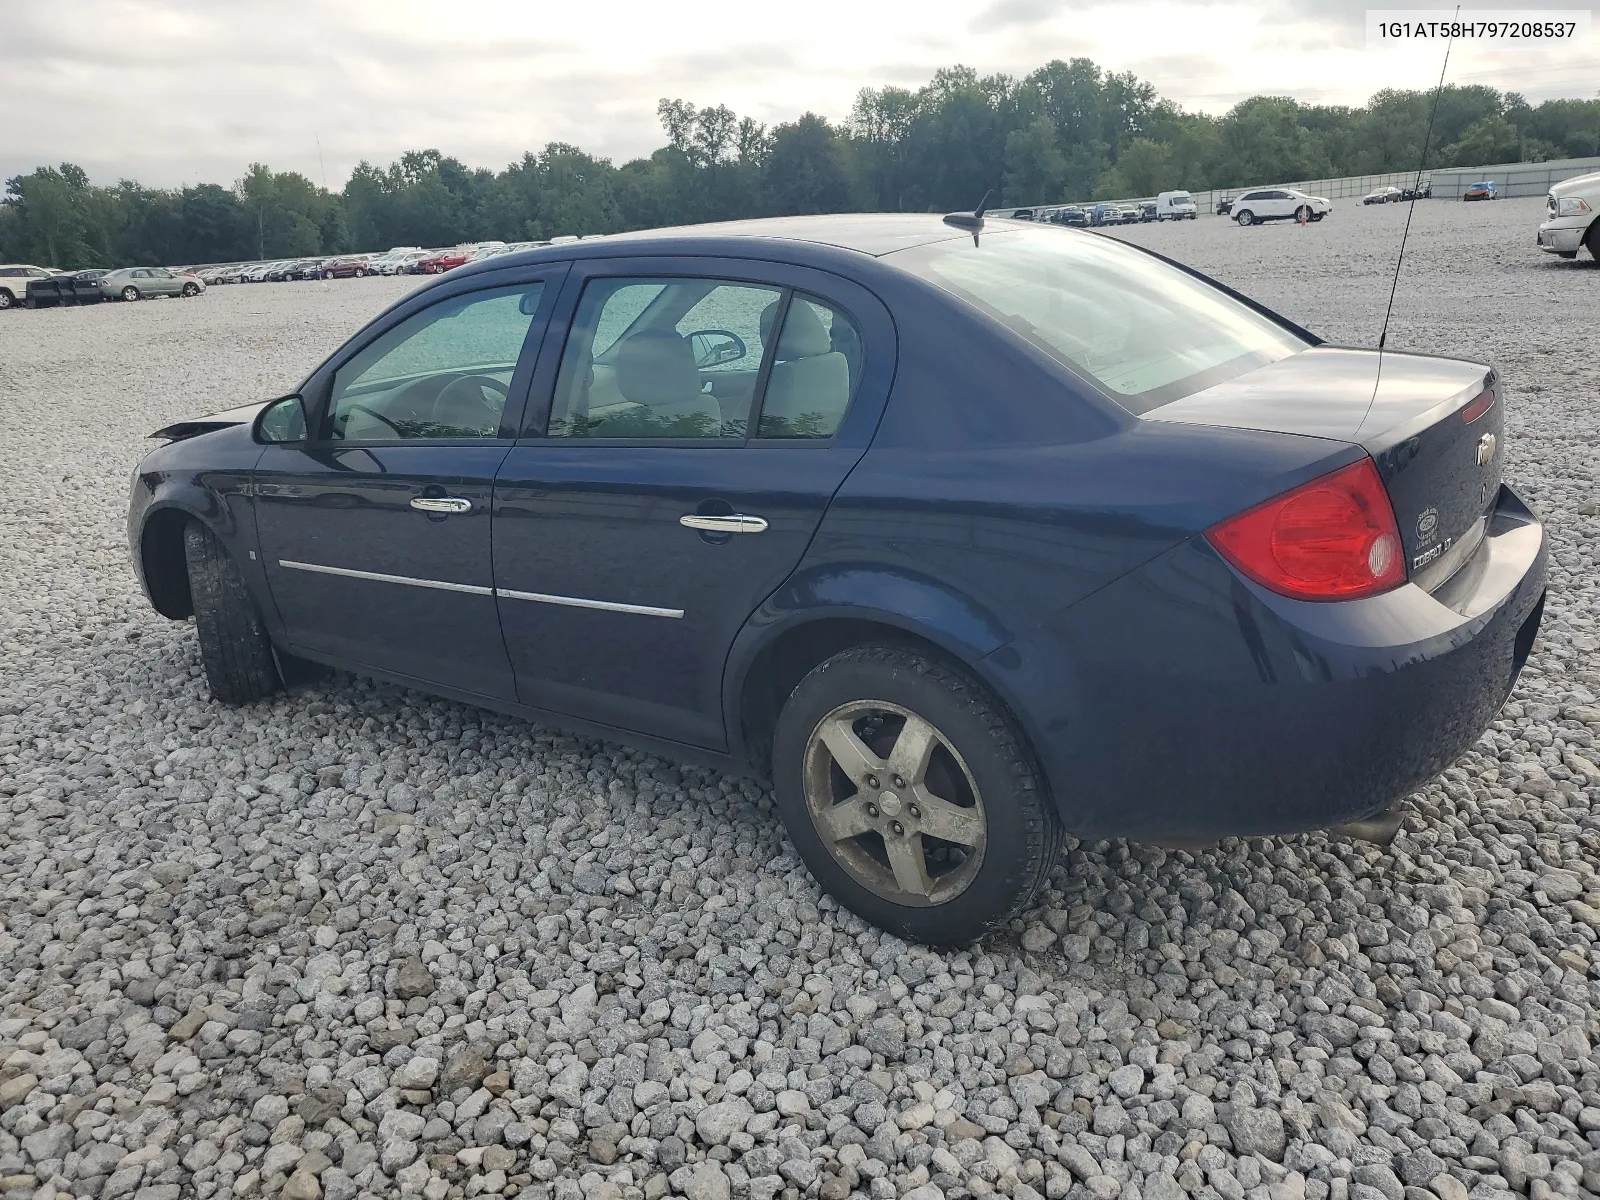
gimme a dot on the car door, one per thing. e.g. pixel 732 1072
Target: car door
pixel 375 532
pixel 669 487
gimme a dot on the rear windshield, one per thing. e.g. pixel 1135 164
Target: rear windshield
pixel 1145 331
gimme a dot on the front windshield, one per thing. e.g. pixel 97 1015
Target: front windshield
pixel 1143 330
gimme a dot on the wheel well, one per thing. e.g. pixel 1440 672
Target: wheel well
pixel 166 568
pixel 781 665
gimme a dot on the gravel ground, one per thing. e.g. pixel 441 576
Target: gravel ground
pixel 361 942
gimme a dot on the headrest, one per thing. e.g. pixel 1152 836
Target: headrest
pixel 656 367
pixel 804 335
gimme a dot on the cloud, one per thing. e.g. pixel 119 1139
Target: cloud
pixel 1003 13
pixel 175 91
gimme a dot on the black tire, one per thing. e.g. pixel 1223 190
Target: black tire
pixel 1022 836
pixel 1592 240
pixel 1245 218
pixel 1303 213
pixel 1318 216
pixel 191 289
pixel 6 299
pixel 234 648
pixel 130 293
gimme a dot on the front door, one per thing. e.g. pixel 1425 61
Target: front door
pixel 375 533
pixel 698 428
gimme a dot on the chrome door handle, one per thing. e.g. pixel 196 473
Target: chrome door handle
pixel 733 523
pixel 440 504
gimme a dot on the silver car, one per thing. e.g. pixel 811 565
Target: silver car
pixel 135 283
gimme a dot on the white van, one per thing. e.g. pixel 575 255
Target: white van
pixel 1175 206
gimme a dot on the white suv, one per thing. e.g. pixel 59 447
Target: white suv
pixel 1278 204
pixel 1573 217
pixel 14 282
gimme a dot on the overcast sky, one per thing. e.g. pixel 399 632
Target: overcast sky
pixel 180 91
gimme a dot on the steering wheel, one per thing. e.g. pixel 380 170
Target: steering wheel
pixel 473 389
pixel 376 415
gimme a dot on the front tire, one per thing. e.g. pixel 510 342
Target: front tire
pixel 234 648
pixel 1245 218
pixel 911 796
pixel 130 293
pixel 358 272
pixel 1592 240
pixel 1303 213
pixel 6 299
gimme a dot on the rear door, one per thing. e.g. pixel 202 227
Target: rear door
pixel 375 533
pixel 697 421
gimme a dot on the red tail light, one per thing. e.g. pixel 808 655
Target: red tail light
pixel 1481 404
pixel 1334 538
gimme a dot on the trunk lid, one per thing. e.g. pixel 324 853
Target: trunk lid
pixel 1441 470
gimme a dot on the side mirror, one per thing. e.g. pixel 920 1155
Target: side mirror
pixel 714 347
pixel 282 421
pixel 528 305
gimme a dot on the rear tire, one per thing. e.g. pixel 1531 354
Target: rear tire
pixel 234 648
pixel 130 293
pixel 191 289
pixel 6 299
pixel 976 780
pixel 1245 218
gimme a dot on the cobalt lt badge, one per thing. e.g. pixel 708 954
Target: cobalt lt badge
pixel 1486 450
pixel 1427 523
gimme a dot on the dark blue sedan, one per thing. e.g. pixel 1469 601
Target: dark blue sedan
pixel 971 533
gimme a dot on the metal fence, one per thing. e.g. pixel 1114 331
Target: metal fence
pixel 1511 179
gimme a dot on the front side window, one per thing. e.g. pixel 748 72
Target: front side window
pixel 443 372
pixel 673 358
pixel 1143 330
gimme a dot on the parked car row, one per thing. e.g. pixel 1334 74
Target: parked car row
pixel 1393 195
pixel 1168 206
pixel 399 260
pixel 24 285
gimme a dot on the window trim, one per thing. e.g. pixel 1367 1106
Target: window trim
pixel 318 387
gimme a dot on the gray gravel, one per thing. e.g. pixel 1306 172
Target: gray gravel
pixel 361 942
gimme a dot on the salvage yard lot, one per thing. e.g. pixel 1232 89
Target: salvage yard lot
pixel 358 940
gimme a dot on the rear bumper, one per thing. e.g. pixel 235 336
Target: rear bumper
pixel 1183 704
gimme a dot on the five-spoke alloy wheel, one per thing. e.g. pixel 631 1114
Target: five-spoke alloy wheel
pixel 894 803
pixel 911 794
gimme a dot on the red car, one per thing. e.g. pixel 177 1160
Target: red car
pixel 351 265
pixel 444 261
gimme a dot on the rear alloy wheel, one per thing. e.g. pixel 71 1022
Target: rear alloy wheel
pixel 234 648
pixel 6 299
pixel 130 292
pixel 191 289
pixel 1245 218
pixel 911 796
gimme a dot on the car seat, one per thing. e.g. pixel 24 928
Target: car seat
pixel 809 387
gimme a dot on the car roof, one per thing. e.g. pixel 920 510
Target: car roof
pixel 815 240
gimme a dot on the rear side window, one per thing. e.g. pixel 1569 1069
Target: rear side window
pixel 814 371
pixel 1144 331
pixel 666 358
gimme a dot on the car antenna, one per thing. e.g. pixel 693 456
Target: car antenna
pixel 1416 186
pixel 972 220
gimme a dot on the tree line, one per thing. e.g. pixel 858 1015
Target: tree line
pixel 1067 131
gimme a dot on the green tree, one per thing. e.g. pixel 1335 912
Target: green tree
pixel 1035 168
pixel 805 171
